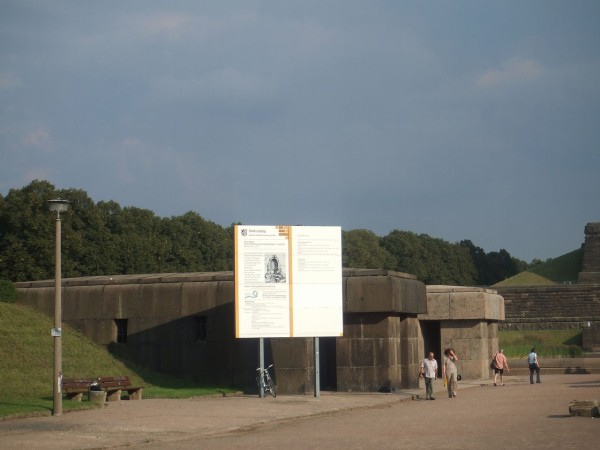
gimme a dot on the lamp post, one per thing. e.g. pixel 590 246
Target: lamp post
pixel 59 206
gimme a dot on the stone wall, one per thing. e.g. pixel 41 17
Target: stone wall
pixel 184 324
pixel 379 349
pixel 590 267
pixel 468 322
pixel 550 307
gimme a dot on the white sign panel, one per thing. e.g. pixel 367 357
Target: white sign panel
pixel 288 281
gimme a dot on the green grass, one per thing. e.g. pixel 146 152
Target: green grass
pixel 26 370
pixel 525 279
pixel 547 343
pixel 564 269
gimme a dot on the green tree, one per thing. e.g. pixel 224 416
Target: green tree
pixel 87 241
pixel 198 245
pixel 106 239
pixel 8 292
pixel 493 267
pixel 27 233
pixel 433 261
pixel 361 249
pixel 137 234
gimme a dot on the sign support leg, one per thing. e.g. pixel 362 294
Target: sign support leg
pixel 317 368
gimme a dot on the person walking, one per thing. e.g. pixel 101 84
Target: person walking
pixel 501 364
pixel 449 371
pixel 429 369
pixel 534 366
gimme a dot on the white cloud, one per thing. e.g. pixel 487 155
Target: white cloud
pixel 169 25
pixel 515 70
pixel 37 173
pixel 175 26
pixel 39 138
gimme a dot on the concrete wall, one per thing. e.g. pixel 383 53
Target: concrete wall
pixel 379 348
pixel 468 322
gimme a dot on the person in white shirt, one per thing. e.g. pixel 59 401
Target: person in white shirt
pixel 429 369
pixel 534 366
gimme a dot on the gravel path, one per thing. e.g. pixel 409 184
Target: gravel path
pixel 517 415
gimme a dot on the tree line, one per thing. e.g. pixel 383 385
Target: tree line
pixel 104 238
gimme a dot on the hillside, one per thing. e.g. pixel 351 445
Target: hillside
pixel 27 350
pixel 27 355
pixel 563 269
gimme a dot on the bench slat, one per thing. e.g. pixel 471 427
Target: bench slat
pixel 74 388
pixel 114 385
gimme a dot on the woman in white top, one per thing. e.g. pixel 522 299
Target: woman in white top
pixel 449 371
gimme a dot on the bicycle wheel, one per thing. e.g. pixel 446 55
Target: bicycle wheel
pixel 272 388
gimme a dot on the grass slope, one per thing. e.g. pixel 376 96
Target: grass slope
pixel 27 355
pixel 559 270
pixel 549 343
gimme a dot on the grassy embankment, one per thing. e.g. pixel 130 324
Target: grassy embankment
pixel 564 269
pixel 27 355
pixel 547 343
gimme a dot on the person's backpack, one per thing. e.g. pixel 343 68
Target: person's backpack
pixel 493 362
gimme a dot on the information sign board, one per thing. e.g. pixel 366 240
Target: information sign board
pixel 288 281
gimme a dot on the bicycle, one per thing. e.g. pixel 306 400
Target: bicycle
pixel 265 382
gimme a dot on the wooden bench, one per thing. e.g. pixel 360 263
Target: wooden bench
pixel 115 385
pixel 74 388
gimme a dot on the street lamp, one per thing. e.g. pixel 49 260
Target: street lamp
pixel 59 206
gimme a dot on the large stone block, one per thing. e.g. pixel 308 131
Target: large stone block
pixel 438 306
pixel 361 379
pixel 473 369
pixel 385 292
pixel 455 302
pixel 373 325
pixel 393 353
pixel 362 352
pixel 584 408
pixel 294 381
pixel 386 350
pixel 343 352
pixel 292 353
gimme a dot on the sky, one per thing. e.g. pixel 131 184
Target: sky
pixel 475 120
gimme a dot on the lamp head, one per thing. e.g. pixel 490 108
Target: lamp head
pixel 58 205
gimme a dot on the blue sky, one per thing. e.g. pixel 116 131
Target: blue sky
pixel 459 119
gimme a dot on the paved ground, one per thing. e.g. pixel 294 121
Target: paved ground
pixel 517 415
